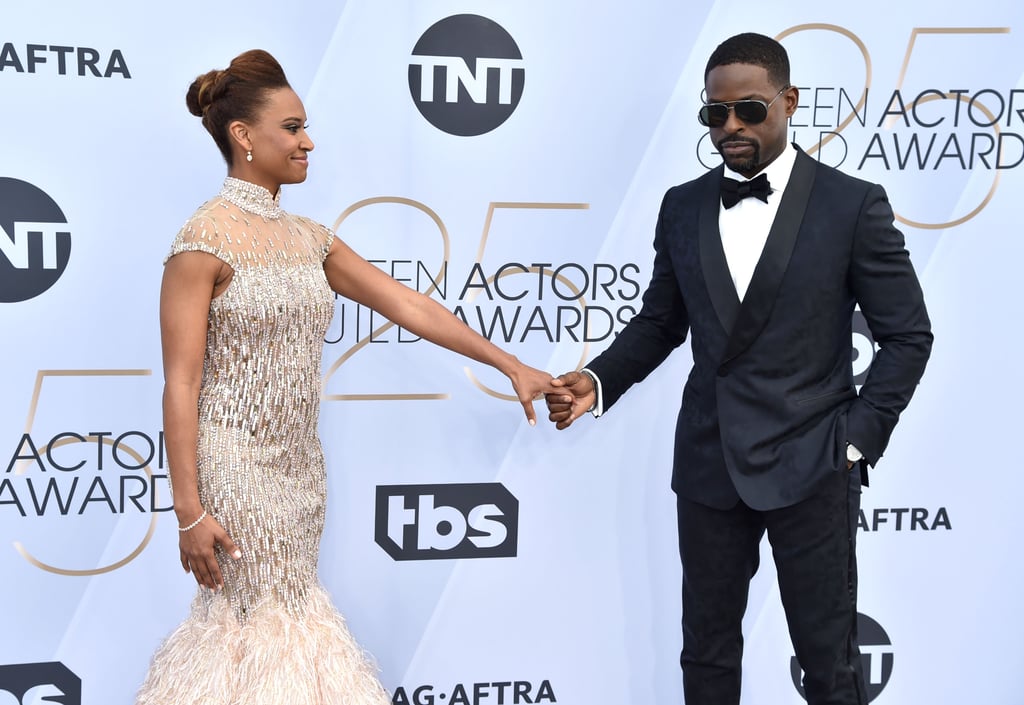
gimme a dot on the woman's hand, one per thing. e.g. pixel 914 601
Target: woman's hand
pixel 531 385
pixel 197 551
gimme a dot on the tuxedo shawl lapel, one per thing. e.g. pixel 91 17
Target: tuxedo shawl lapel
pixel 771 267
pixel 713 264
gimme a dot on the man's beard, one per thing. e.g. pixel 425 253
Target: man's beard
pixel 742 166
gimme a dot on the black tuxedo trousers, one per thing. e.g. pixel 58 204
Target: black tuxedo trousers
pixel 814 550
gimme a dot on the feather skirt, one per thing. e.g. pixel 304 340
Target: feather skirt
pixel 271 659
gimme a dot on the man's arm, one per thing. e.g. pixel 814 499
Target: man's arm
pixel 660 326
pixel 890 297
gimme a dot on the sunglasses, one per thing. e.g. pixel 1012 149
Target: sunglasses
pixel 749 111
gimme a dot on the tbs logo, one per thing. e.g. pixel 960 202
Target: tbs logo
pixel 426 522
pixel 864 348
pixel 24 683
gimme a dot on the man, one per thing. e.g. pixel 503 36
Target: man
pixel 772 435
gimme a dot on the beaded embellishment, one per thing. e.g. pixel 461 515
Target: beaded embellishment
pixel 251 198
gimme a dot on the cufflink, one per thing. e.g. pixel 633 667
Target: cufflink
pixel 852 454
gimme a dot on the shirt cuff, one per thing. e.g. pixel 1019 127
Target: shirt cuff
pixel 852 454
pixel 598 408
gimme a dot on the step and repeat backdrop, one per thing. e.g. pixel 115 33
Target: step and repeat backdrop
pixel 508 158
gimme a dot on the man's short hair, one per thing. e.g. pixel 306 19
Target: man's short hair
pixel 756 49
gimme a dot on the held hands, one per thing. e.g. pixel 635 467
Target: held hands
pixel 575 396
pixel 197 551
pixel 531 384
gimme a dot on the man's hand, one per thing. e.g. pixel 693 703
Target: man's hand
pixel 578 398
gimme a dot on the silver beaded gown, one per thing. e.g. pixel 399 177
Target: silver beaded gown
pixel 271 636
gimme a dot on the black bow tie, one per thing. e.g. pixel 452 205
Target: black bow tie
pixel 734 191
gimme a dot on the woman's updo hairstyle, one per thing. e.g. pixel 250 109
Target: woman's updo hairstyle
pixel 235 93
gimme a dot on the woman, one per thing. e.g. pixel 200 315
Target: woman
pixel 245 302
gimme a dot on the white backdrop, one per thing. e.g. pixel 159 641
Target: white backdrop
pixel 564 586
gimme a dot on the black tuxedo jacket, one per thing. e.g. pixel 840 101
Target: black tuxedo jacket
pixel 770 403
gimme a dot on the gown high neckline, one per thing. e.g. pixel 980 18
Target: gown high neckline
pixel 251 198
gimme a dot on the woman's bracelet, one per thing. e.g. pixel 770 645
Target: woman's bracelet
pixel 194 524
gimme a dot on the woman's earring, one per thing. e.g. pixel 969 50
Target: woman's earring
pixel 248 156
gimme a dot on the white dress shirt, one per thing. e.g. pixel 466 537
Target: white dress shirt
pixel 745 226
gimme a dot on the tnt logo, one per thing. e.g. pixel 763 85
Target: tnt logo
pixel 864 348
pixel 35 241
pixel 876 658
pixel 32 683
pixel 466 75
pixel 424 522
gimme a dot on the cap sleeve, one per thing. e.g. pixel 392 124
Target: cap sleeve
pixel 328 238
pixel 201 233
pixel 322 236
